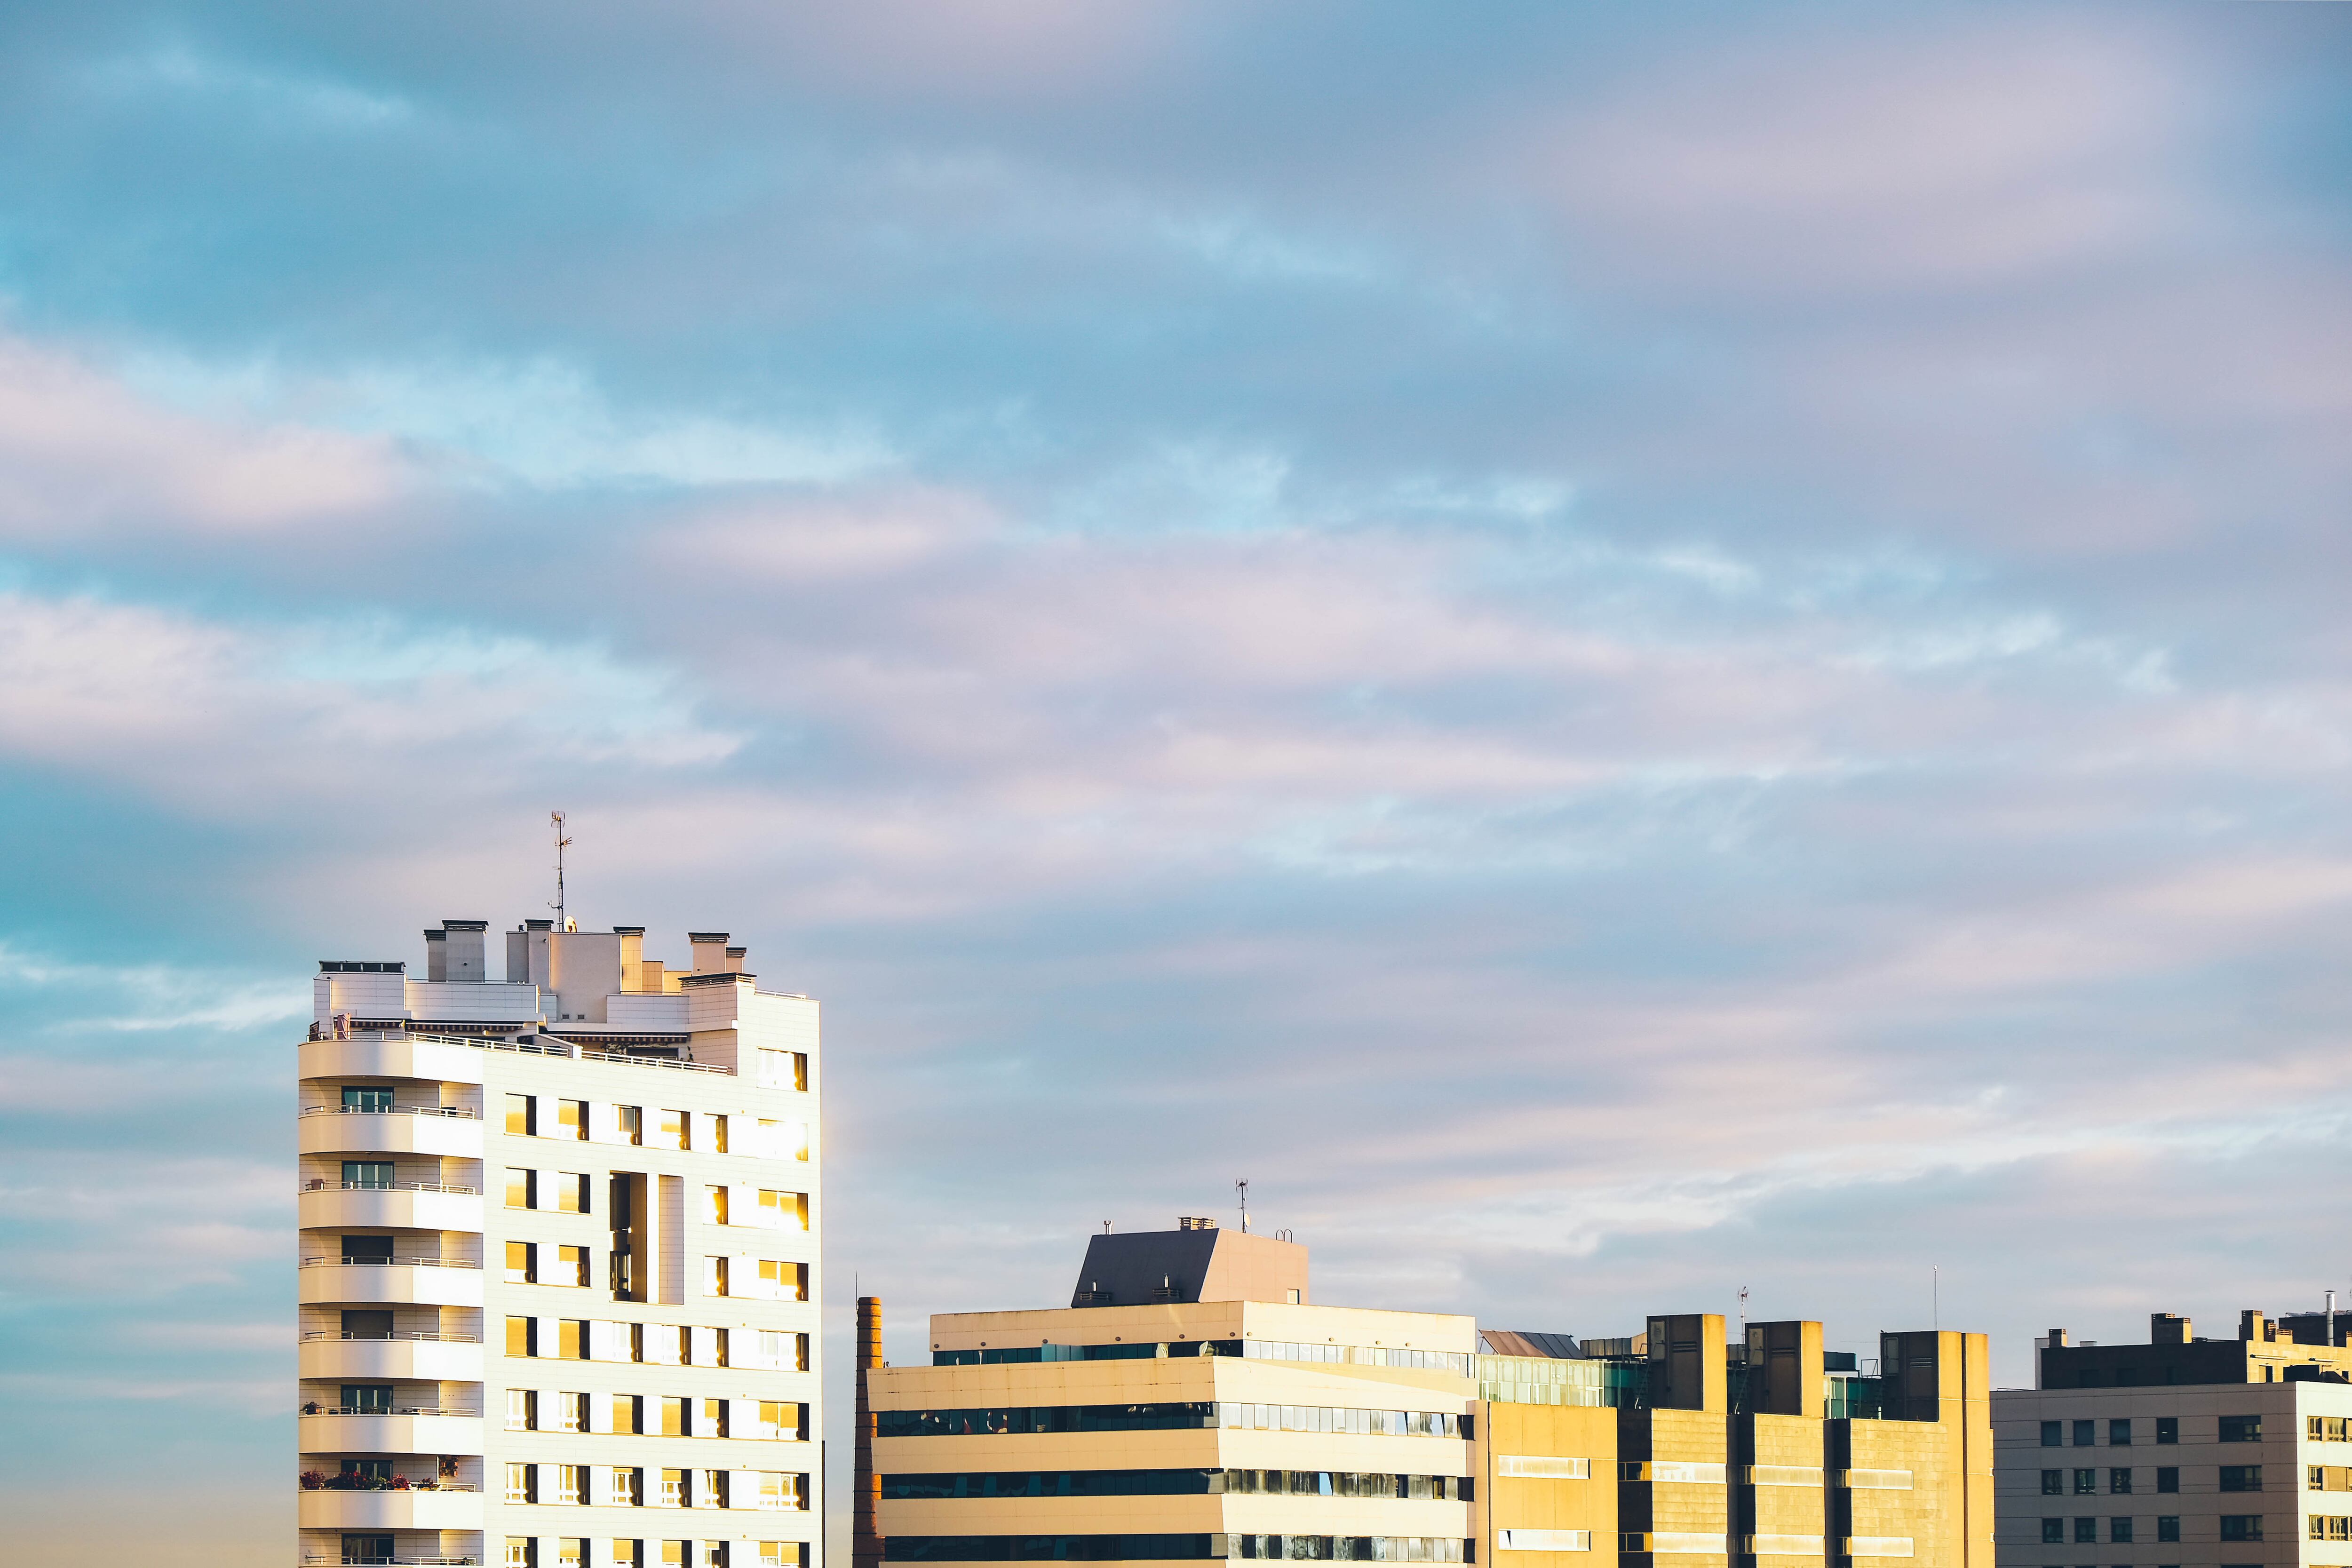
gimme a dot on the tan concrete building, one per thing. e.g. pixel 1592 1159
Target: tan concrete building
pixel 2182 1452
pixel 559 1257
pixel 1195 1401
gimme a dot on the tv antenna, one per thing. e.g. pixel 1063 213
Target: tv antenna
pixel 1743 1314
pixel 562 922
pixel 1242 1187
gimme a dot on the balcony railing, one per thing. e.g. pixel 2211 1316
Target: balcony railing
pixel 379 1338
pixel 452 1111
pixel 390 1262
pixel 320 1184
pixel 319 1481
pixel 314 1408
pixel 541 1047
pixel 311 1560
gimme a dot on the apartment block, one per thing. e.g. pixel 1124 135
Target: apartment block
pixel 2199 1453
pixel 559 1257
pixel 1195 1402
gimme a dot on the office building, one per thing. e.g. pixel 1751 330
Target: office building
pixel 559 1258
pixel 2199 1453
pixel 1193 1401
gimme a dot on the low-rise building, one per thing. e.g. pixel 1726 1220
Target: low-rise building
pixel 1195 1402
pixel 2199 1453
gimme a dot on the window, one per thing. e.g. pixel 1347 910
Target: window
pixel 2119 1480
pixel 661 1344
pixel 2085 1482
pixel 2242 1428
pixel 714 1275
pixel 2322 1428
pixel 630 1120
pixel 2241 1478
pixel 720 1341
pixel 712 1490
pixel 674 1492
pixel 714 1418
pixel 522 1551
pixel 783 1211
pixel 786 1353
pixel 571 1552
pixel 522 1115
pixel 572 1339
pixel 2168 1428
pixel 2168 1527
pixel 2242 1527
pixel 714 1201
pixel 778 1490
pixel 628 1555
pixel 629 1412
pixel 572 1483
pixel 2167 1479
pixel 714 1555
pixel 779 1418
pixel 628 1489
pixel 2053 1482
pixel 782 1140
pixel 2119 1433
pixel 2086 1434
pixel 781 1282
pixel 783 1069
pixel 522 1336
pixel 2325 1527
pixel 523 1410
pixel 2054 1532
pixel 522 1188
pixel 572 1118
pixel 2119 1529
pixel 718 1135
pixel 522 1483
pixel 673 1130
pixel 367 1174
pixel 522 1263
pixel 571 1266
pixel 676 1416
pixel 673 1554
pixel 2053 1434
pixel 367 1101
pixel 2086 1532
pixel 571 1413
pixel 571 1192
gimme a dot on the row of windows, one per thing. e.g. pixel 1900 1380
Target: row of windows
pixel 2229 1429
pixel 2329 1429
pixel 574 1552
pixel 2229 1479
pixel 627 1486
pixel 758 1278
pixel 571 1192
pixel 575 1119
pixel 1175 1548
pixel 657 1344
pixel 1179 1483
pixel 780 1420
pixel 2234 1527
pixel 1252 1349
pixel 1190 1413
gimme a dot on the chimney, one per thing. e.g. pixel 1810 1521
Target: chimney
pixel 864 1528
pixel 633 956
pixel 2167 1329
pixel 2251 1327
pixel 437 954
pixel 709 951
pixel 462 946
pixel 739 960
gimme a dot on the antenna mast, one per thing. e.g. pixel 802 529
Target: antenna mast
pixel 563 922
pixel 1244 1187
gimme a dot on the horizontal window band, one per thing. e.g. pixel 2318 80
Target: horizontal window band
pixel 1543 1467
pixel 1543 1540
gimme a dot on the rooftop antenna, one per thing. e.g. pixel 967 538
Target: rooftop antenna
pixel 1105 1227
pixel 2331 1318
pixel 1743 1314
pixel 1243 1185
pixel 562 922
pixel 1936 1296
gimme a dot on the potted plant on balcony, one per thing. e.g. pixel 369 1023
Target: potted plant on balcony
pixel 400 1483
pixel 313 1480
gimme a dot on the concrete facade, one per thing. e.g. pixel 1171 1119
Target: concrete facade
pixel 2182 1452
pixel 1174 1429
pixel 559 1267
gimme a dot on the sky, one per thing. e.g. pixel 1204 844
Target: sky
pixel 1623 653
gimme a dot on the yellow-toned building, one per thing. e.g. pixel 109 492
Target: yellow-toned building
pixel 1193 1402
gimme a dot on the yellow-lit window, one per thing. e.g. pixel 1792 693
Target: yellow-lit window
pixel 522 1188
pixel 714 1275
pixel 714 1418
pixel 522 1551
pixel 572 1339
pixel 571 1193
pixel 572 1118
pixel 673 1130
pixel 523 1410
pixel 674 1489
pixel 710 1491
pixel 571 1553
pixel 571 1266
pixel 572 1483
pixel 571 1413
pixel 522 1483
pixel 522 1115
pixel 631 1122
pixel 522 1336
pixel 715 1205
pixel 629 1491
pixel 718 1135
pixel 522 1263
pixel 673 1417
pixel 629 1411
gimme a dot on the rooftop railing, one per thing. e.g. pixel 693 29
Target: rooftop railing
pixel 320 1184
pixel 379 1338
pixel 545 1045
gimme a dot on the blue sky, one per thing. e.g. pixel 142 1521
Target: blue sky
pixel 1622 652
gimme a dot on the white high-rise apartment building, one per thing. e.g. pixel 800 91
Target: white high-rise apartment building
pixel 560 1258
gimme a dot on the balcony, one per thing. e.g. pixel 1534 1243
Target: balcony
pixel 429 1358
pixel 421 1431
pixel 331 1129
pixel 437 1059
pixel 410 1510
pixel 407 1281
pixel 403 1205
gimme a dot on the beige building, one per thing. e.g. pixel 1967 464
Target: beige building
pixel 2182 1452
pixel 1195 1401
pixel 559 1258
